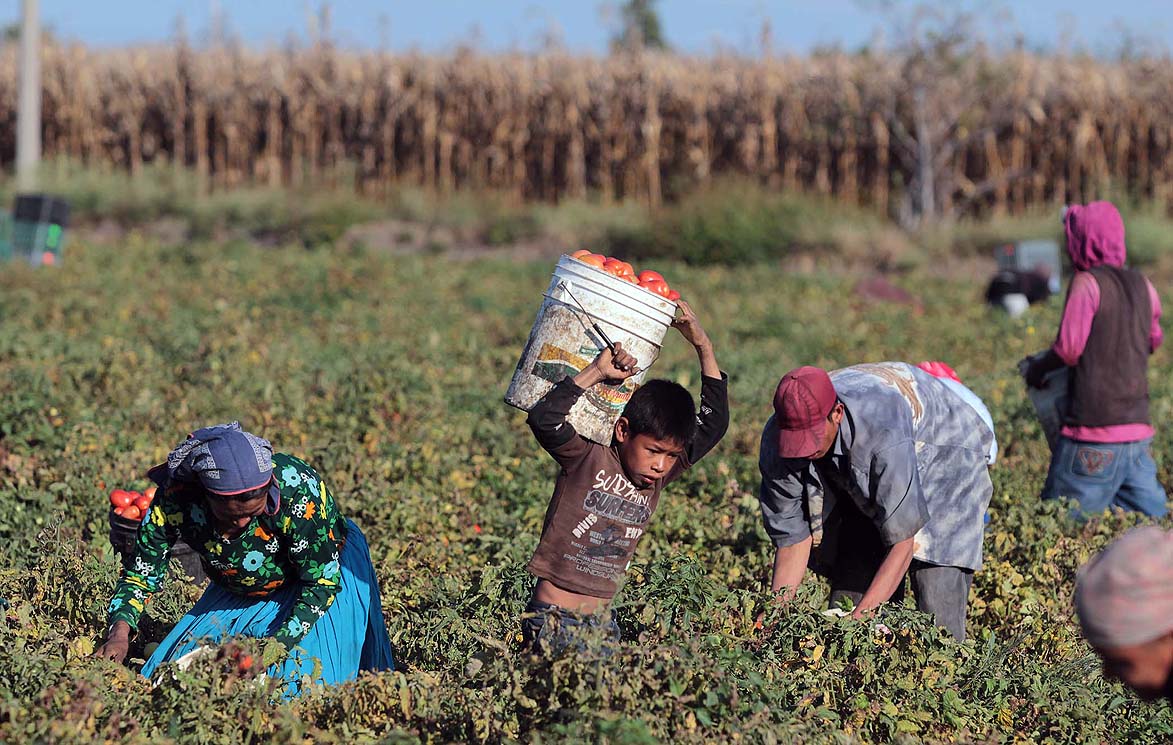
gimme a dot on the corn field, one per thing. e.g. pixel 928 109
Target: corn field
pixel 930 133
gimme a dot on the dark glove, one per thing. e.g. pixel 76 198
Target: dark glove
pixel 1038 370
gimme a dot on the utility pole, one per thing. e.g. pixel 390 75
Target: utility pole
pixel 28 121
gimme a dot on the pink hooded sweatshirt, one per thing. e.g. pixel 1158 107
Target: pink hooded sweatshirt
pixel 1095 237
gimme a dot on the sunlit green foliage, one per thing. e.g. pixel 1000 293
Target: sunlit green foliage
pixel 387 373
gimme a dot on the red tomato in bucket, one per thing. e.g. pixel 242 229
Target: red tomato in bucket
pixel 143 503
pixel 648 274
pixel 593 260
pixel 149 492
pixel 618 267
pixel 132 513
pixel 673 295
pixel 658 286
pixel 121 498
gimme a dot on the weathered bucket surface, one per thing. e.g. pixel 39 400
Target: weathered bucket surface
pixel 559 345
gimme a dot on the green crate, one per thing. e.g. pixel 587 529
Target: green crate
pixel 38 243
pixel 6 252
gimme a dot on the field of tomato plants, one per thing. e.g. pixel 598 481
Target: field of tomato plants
pixel 387 374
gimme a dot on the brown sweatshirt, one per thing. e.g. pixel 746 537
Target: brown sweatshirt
pixel 596 516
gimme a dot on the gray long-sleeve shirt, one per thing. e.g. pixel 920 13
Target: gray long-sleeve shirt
pixel 911 456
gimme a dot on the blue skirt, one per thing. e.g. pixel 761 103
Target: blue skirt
pixel 349 638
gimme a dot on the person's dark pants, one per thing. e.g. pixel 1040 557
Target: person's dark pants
pixel 548 627
pixel 941 591
pixel 1102 475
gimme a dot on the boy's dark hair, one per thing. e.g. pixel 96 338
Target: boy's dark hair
pixel 663 410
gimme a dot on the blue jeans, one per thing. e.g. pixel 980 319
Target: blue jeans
pixel 547 626
pixel 1102 475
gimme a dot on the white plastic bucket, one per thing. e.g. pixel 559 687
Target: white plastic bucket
pixel 559 345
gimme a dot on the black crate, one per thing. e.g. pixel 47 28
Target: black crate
pixel 41 208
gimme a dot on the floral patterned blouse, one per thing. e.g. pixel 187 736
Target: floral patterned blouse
pixel 298 544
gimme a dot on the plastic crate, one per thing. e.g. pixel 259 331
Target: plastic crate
pixel 38 228
pixel 6 252
pixel 1028 256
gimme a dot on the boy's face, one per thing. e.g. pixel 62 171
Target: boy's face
pixel 645 459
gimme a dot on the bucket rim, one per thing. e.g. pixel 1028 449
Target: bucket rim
pixel 640 294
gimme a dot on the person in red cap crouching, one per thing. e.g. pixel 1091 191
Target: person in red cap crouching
pixel 873 472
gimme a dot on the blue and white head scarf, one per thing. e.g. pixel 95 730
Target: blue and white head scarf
pixel 224 459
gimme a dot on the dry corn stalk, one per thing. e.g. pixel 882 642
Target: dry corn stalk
pixel 1030 130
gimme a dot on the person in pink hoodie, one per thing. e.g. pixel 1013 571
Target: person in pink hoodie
pixel 1110 326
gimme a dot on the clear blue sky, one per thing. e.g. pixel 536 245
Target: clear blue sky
pixel 586 25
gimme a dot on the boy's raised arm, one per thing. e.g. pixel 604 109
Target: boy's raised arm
pixel 713 414
pixel 690 328
pixel 547 418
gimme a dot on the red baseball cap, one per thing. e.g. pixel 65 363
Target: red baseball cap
pixel 802 403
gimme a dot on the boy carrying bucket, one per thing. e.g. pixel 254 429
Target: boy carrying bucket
pixel 605 496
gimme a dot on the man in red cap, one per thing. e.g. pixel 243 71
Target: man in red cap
pixel 871 473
